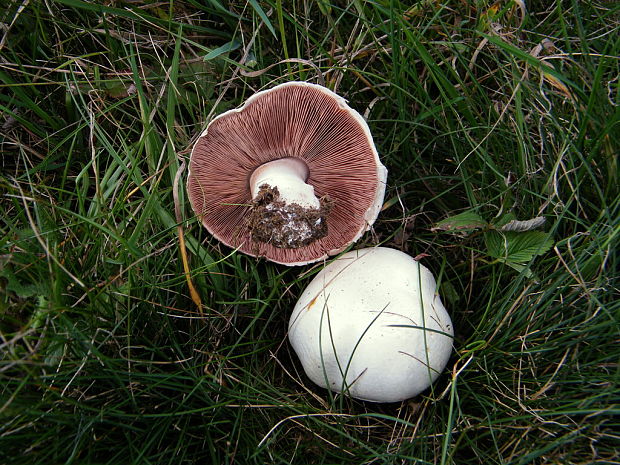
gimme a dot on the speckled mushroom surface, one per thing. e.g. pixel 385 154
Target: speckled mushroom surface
pixel 335 164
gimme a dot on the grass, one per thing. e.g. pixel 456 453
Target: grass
pixel 475 107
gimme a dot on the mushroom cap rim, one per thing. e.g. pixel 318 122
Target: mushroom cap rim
pixel 371 213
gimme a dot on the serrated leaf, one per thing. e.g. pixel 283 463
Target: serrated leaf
pixel 468 220
pixel 520 268
pixel 494 242
pixel 517 247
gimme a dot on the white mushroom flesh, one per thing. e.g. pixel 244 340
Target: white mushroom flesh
pixel 371 325
pixel 289 176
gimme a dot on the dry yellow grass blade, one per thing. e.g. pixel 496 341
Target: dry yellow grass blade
pixel 177 211
pixel 558 85
pixel 546 45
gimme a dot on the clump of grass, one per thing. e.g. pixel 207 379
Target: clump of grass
pixel 476 107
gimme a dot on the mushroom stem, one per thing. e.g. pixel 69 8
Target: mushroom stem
pixel 285 212
pixel 289 175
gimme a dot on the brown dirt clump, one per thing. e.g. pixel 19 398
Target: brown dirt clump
pixel 286 226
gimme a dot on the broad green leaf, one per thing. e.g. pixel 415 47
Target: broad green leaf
pixel 468 220
pixel 520 268
pixel 22 290
pixel 227 47
pixel 516 247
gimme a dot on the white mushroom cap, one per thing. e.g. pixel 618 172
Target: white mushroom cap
pixel 371 325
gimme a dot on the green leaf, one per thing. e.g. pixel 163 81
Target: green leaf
pixel 520 268
pixel 227 47
pixel 449 294
pixel 259 10
pixel 515 247
pixel 468 220
pixel 15 285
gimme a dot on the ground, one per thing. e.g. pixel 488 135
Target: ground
pixel 129 335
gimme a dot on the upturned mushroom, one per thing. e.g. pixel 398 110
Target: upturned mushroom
pixel 372 326
pixel 293 175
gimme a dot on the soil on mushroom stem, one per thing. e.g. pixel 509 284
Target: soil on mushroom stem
pixel 286 226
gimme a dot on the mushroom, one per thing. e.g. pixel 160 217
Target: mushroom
pixel 371 325
pixel 293 175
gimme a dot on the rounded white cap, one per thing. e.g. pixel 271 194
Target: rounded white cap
pixel 371 325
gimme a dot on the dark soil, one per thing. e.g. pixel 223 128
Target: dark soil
pixel 287 226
